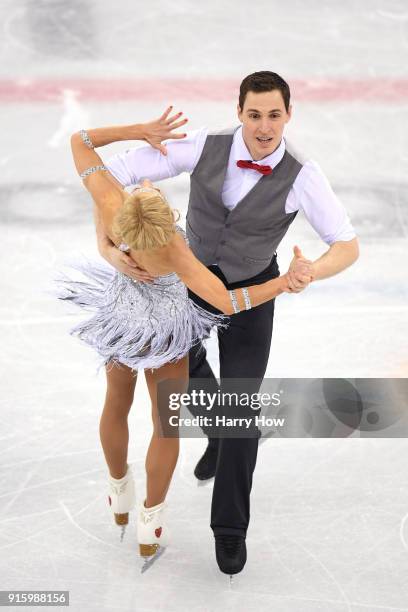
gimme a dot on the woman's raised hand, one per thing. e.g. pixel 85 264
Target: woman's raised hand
pixel 161 129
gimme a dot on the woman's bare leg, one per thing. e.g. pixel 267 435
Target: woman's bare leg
pixel 163 452
pixel 113 427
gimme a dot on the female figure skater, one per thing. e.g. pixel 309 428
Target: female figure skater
pixel 147 325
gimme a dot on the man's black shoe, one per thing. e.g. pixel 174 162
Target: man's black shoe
pixel 230 552
pixel 205 467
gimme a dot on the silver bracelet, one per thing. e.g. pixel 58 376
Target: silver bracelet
pixel 234 301
pixel 89 171
pixel 247 299
pixel 86 139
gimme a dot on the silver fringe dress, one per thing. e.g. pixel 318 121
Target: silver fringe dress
pixel 141 325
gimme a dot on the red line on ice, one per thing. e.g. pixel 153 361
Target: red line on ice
pixel 380 90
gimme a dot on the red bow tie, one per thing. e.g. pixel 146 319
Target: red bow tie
pixel 242 163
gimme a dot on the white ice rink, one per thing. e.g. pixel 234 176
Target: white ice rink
pixel 329 517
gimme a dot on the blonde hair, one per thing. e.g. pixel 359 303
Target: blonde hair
pixel 145 221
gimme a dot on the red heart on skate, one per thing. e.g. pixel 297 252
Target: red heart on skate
pixel 110 501
pixel 158 532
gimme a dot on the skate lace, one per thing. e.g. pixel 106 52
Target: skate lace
pixel 147 517
pixel 118 489
pixel 230 544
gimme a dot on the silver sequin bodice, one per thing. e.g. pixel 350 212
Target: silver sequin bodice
pixel 161 299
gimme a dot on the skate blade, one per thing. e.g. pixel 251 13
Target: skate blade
pixel 149 561
pixel 231 581
pixel 122 532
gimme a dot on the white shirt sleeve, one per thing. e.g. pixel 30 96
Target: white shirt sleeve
pixel 313 194
pixel 135 164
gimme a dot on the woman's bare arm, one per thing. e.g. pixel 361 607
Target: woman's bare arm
pixel 211 289
pixel 103 240
pixel 105 190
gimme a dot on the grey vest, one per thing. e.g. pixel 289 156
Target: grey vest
pixel 241 241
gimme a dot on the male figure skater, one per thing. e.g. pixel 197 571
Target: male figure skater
pixel 246 189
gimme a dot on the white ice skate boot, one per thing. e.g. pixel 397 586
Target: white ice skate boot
pixel 152 531
pixel 122 498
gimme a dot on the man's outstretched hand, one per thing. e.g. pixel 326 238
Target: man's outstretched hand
pixel 124 263
pixel 161 129
pixel 300 273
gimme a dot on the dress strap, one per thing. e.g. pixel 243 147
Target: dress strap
pixel 181 231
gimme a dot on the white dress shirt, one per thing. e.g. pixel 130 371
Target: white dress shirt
pixel 310 192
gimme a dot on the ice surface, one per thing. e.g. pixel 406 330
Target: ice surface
pixel 329 517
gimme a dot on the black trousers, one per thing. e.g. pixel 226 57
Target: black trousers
pixel 243 352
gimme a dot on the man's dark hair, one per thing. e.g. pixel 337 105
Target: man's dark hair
pixel 264 81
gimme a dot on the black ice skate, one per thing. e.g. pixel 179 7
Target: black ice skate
pixel 205 468
pixel 230 552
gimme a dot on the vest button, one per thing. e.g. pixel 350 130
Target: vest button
pixel 223 242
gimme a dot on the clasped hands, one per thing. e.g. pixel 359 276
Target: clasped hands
pixel 300 274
